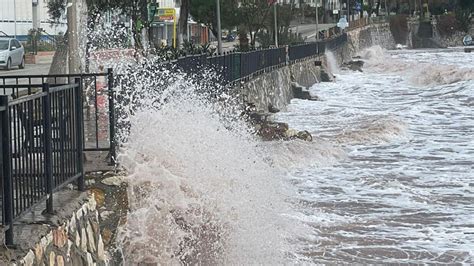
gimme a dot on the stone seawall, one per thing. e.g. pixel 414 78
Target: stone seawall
pixel 74 239
pixel 275 88
pixel 365 37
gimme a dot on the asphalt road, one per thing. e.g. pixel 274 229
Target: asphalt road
pixel 37 69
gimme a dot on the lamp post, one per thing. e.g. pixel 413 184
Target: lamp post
pixel 14 16
pixel 348 10
pixel 276 23
pixel 317 21
pixel 219 30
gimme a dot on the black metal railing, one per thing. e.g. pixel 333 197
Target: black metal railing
pixel 237 66
pixel 41 149
pixel 98 103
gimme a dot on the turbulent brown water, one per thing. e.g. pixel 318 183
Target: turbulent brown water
pixel 387 179
pixel 404 192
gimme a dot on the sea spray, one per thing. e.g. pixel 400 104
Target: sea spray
pixel 201 190
pixel 332 62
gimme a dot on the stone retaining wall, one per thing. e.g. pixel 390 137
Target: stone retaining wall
pixel 365 37
pixel 275 88
pixel 76 242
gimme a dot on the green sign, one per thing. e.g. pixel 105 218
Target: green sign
pixel 152 7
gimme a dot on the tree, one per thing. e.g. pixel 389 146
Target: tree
pixel 204 11
pixel 136 10
pixel 253 15
pixel 183 21
pixel 285 14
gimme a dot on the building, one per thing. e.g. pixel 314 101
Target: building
pixel 163 27
pixel 16 18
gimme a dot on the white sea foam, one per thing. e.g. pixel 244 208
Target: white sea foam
pixel 201 188
pixel 417 72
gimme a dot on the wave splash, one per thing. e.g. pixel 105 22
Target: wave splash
pixel 417 73
pixel 200 188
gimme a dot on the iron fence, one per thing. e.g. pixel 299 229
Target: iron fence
pixel 41 149
pixel 234 66
pixel 98 102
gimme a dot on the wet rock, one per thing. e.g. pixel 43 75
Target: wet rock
pixel 273 131
pixel 305 135
pixel 100 249
pixel 273 109
pixel 28 259
pixel 258 117
pixel 325 77
pixel 59 237
pixel 89 260
pixel 78 239
pixel 39 251
pixel 294 134
pixel 105 215
pixel 52 258
pixel 354 65
pixel 301 92
pixel 83 240
pixel 59 260
pixel 99 196
pixel 113 181
pixel 107 235
pixel 90 238
pixel 291 133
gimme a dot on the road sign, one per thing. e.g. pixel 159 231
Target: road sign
pixel 358 6
pixel 166 18
pixel 467 40
pixel 165 12
pixel 342 24
pixel 152 11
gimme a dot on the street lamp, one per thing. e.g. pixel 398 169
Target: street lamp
pixel 348 11
pixel 219 31
pixel 276 24
pixel 317 21
pixel 14 16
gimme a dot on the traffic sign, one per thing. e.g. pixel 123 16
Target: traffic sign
pixel 467 40
pixel 342 24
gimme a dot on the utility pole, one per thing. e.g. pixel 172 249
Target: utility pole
pixel 276 23
pixel 219 30
pixel 317 21
pixel 14 15
pixel 348 11
pixel 35 14
pixel 36 27
pixel 73 47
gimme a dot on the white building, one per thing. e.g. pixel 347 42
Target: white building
pixel 16 18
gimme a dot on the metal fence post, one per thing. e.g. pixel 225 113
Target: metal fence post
pixel 7 181
pixel 48 153
pixel 113 151
pixel 79 134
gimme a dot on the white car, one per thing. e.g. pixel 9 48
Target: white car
pixel 12 53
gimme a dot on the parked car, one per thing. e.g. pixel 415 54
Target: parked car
pixel 12 53
pixel 231 37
